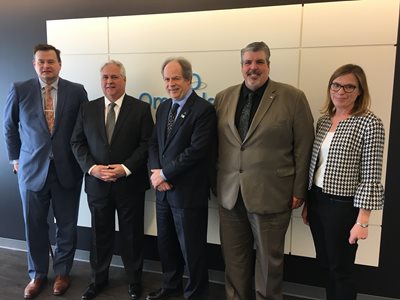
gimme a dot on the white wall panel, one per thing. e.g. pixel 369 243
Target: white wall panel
pixel 368 250
pixel 364 22
pixel 206 31
pixel 84 69
pixel 79 36
pixel 302 242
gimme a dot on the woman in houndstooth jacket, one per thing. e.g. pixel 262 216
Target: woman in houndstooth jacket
pixel 344 178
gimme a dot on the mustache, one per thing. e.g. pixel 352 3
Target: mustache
pixel 253 72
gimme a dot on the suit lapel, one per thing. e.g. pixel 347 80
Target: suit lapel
pixel 123 114
pixel 231 111
pixel 37 94
pixel 265 104
pixel 180 119
pixel 100 118
pixel 62 96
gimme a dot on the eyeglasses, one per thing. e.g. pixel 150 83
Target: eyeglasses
pixel 347 88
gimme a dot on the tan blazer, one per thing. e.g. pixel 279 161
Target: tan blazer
pixel 271 164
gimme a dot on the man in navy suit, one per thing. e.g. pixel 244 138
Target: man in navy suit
pixel 47 170
pixel 180 157
pixel 110 142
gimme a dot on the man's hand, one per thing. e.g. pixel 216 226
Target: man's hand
pixel 15 168
pixel 163 187
pixel 158 182
pixel 108 173
pixel 156 178
pixel 296 202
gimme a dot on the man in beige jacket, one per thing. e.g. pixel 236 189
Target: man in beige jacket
pixel 265 132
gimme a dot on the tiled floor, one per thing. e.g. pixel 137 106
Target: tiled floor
pixel 13 278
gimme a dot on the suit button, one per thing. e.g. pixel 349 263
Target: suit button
pixel 242 148
pixel 240 171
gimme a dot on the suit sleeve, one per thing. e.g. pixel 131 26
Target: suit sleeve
pixel 154 161
pixel 79 143
pixel 199 146
pixel 11 124
pixel 140 154
pixel 303 129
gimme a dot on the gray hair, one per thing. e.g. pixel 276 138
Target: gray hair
pixel 116 63
pixel 184 63
pixel 255 47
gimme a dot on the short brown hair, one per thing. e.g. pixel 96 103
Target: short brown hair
pixel 47 47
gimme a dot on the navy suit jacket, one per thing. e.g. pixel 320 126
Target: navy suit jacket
pixel 186 155
pixel 129 144
pixel 28 138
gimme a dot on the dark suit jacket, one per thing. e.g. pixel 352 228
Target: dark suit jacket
pixel 28 138
pixel 185 157
pixel 129 144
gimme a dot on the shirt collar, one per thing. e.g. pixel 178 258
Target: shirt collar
pixel 54 84
pixel 182 101
pixel 118 102
pixel 258 92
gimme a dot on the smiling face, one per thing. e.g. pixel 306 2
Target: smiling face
pixel 46 65
pixel 255 69
pixel 342 100
pixel 112 82
pixel 175 84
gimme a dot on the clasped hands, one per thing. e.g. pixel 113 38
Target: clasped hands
pixel 108 173
pixel 158 182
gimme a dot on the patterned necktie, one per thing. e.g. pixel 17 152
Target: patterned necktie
pixel 171 117
pixel 110 122
pixel 244 121
pixel 49 107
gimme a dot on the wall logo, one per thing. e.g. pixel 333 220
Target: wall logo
pixel 197 84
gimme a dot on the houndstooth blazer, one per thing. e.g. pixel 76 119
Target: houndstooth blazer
pixel 354 164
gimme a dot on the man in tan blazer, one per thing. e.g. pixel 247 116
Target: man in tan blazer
pixel 265 131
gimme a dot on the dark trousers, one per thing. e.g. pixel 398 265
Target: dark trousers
pixel 331 219
pixel 130 209
pixel 65 205
pixel 182 240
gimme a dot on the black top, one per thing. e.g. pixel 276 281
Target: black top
pixel 257 95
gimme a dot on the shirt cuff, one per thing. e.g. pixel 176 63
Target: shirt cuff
pixel 90 170
pixel 163 176
pixel 127 171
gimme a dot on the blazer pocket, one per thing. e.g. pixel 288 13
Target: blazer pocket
pixel 283 172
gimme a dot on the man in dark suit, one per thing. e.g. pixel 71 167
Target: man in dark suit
pixel 39 117
pixel 265 134
pixel 110 142
pixel 179 159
